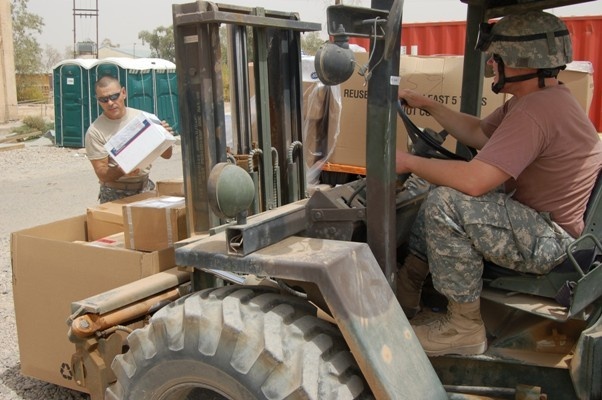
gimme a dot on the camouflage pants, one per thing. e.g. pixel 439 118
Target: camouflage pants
pixel 111 194
pixel 456 232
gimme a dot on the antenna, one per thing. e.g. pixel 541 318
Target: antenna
pixel 80 48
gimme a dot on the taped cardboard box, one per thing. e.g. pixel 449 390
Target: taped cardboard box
pixel 171 187
pixel 155 223
pixel 139 143
pixel 107 218
pixel 53 266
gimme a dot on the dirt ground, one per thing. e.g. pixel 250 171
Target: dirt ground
pixel 42 183
pixel 46 182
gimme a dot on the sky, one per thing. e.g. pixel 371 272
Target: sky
pixel 122 20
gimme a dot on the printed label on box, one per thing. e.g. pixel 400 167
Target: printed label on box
pixel 121 142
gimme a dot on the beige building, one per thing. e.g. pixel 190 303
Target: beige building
pixel 111 52
pixel 8 88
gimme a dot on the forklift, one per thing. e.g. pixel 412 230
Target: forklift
pixel 283 294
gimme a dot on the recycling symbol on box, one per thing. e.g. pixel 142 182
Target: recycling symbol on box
pixel 66 371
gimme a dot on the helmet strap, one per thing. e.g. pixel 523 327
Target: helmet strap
pixel 544 73
pixel 541 75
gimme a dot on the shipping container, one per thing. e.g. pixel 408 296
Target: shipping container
pixel 448 38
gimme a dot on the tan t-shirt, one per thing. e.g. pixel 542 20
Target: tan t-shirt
pixel 546 142
pixel 99 133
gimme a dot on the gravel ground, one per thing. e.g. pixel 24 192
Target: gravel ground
pixel 41 183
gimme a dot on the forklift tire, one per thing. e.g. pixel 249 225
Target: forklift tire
pixel 237 342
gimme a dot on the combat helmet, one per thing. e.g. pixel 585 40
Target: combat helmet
pixel 535 39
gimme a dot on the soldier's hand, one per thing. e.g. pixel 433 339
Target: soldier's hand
pixel 135 172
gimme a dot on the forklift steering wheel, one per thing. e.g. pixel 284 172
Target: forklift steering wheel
pixel 427 143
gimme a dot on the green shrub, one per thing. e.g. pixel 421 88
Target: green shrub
pixel 36 123
pixel 29 93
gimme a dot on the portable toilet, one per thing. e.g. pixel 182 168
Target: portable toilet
pixel 150 85
pixel 71 80
pixel 139 85
pixel 166 92
pixel 138 77
pixel 99 69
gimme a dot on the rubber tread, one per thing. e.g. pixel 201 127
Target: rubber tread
pixel 266 345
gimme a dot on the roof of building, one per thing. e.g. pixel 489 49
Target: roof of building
pixel 124 62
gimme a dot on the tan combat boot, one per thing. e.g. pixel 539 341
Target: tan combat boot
pixel 461 331
pixel 410 278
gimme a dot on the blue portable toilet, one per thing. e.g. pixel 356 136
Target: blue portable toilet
pixel 71 80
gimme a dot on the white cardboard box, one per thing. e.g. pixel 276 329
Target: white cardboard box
pixel 139 143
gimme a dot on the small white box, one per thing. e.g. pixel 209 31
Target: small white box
pixel 139 143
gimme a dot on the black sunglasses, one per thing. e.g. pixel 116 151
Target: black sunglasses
pixel 112 97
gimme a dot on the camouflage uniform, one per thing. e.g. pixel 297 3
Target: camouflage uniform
pixel 107 194
pixel 456 232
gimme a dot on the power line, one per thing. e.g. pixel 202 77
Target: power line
pixel 83 12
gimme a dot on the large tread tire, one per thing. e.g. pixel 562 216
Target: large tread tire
pixel 237 342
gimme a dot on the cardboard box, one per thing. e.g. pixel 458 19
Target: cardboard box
pixel 116 241
pixel 154 224
pixel 139 143
pixel 171 187
pixel 52 268
pixel 579 77
pixel 439 77
pixel 107 218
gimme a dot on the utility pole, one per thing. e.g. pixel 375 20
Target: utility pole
pixel 85 13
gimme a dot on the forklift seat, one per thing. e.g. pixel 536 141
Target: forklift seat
pixel 574 283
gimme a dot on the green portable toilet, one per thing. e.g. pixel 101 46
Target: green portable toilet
pixel 166 93
pixel 102 68
pixel 138 78
pixel 150 84
pixel 71 80
pixel 139 85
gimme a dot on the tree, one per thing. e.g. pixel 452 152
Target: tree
pixel 28 53
pixel 108 43
pixel 67 52
pixel 51 58
pixel 311 42
pixel 161 42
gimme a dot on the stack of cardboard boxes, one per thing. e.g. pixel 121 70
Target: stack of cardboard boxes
pixel 112 244
pixel 72 259
pixel 343 147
